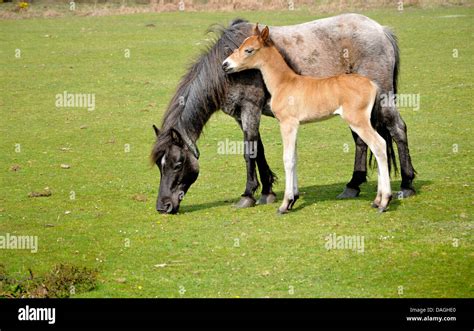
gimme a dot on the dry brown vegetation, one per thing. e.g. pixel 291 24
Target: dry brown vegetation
pixel 51 8
pixel 62 281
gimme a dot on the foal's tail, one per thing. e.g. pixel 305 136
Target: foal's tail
pixel 376 119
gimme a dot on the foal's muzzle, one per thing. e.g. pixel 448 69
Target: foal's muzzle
pixel 226 67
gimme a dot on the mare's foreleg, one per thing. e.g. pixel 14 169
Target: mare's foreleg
pixel 249 123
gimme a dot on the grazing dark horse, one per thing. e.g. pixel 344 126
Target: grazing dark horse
pixel 348 43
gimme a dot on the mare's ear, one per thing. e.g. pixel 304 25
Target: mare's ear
pixel 265 34
pixel 157 131
pixel 177 139
pixel 256 30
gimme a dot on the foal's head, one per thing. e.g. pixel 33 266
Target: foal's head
pixel 249 54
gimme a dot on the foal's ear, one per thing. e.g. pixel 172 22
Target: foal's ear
pixel 157 131
pixel 256 30
pixel 176 136
pixel 265 34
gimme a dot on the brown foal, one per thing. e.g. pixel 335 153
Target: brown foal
pixel 300 99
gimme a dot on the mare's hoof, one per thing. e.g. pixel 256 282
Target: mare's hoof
pixel 349 193
pixel 245 202
pixel 282 211
pixel 266 199
pixel 405 193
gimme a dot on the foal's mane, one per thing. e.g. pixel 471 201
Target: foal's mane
pixel 202 89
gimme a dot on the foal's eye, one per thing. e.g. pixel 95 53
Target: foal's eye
pixel 249 50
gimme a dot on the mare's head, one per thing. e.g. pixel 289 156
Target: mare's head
pixel 249 54
pixel 179 168
pixel 201 91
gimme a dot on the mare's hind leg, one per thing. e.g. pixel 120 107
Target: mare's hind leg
pixel 398 130
pixel 267 177
pixel 359 175
pixel 378 147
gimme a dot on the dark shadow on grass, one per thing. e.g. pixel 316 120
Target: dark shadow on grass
pixel 317 193
pixel 184 209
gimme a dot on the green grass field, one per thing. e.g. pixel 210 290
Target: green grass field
pixel 422 247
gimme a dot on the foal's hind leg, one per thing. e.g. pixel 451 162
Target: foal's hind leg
pixel 359 175
pixel 378 146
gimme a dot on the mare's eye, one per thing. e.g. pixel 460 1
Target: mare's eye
pixel 249 50
pixel 178 165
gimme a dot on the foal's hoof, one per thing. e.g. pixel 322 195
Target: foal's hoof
pixel 381 209
pixel 349 193
pixel 245 202
pixel 374 205
pixel 266 199
pixel 405 193
pixel 286 208
pixel 292 202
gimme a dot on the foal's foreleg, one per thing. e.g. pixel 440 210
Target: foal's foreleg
pixel 296 191
pixel 289 131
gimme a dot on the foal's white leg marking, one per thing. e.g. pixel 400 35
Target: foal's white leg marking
pixel 288 134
